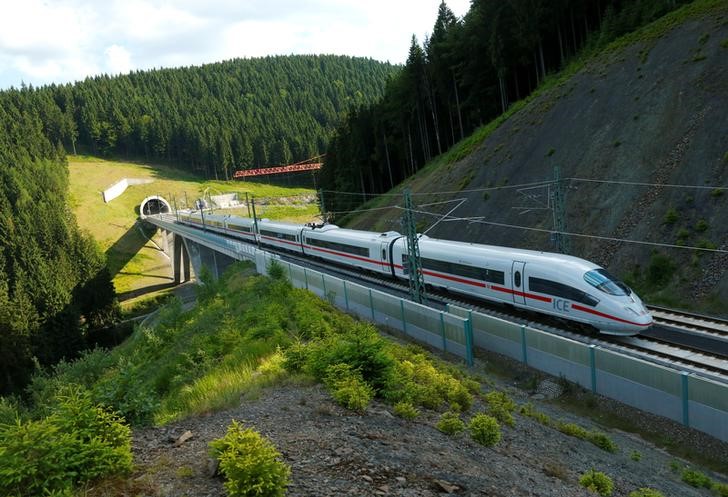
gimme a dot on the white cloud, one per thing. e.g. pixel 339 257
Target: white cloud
pixel 118 59
pixel 44 41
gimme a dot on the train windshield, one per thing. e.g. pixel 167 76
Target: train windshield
pixel 602 280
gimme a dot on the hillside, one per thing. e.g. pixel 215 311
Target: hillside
pixel 136 263
pixel 649 109
pixel 328 391
pixel 212 119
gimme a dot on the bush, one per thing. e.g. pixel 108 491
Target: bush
pixel 597 482
pixel 125 393
pixel 406 410
pixel 361 348
pixel 531 412
pixel 720 489
pixel 696 479
pixel 348 388
pixel 250 463
pixel 501 407
pixel 77 443
pixel 602 441
pixel 635 456
pixel 485 429
pixel 645 492
pixel 450 423
pixel 417 380
pixel 573 430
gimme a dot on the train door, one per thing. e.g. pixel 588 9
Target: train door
pixel 384 256
pixel 518 281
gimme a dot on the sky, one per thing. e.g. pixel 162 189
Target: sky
pixel 59 41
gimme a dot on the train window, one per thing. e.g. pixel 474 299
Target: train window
pixel 560 290
pixel 275 234
pixel 384 255
pixel 472 272
pixel 602 280
pixel 405 264
pixel 517 279
pixel 235 227
pixel 341 247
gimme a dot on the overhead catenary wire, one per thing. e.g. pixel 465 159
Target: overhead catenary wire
pixel 479 220
pixel 531 184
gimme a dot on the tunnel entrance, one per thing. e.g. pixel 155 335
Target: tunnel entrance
pixel 152 206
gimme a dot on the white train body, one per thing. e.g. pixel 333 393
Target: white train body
pixel 554 284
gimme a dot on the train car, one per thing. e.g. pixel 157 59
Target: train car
pixel 554 284
pixel 241 227
pixel 286 236
pixel 361 249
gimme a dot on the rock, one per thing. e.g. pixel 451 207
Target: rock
pixel 538 396
pixel 384 488
pixel 446 486
pixel 183 438
pixel 401 479
pixel 367 478
pixel 212 466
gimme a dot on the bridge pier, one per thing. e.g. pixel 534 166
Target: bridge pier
pixel 201 256
pixel 180 259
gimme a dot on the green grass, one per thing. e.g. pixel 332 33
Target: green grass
pixel 135 262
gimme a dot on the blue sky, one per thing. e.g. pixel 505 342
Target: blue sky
pixel 57 41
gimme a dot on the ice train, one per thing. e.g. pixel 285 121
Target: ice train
pixel 554 284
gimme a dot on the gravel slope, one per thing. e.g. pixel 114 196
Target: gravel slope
pixel 334 452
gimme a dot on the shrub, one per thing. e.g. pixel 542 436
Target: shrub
pixel 276 271
pixel 250 463
pixel 720 489
pixel 696 479
pixel 125 393
pixel 348 388
pixel 671 216
pixel 573 430
pixel 597 482
pixel 485 429
pixel 602 441
pixel 406 410
pixel 531 412
pixel 450 423
pixel 361 348
pixel 501 407
pixel 78 442
pixel 635 456
pixel 701 226
pixel 645 492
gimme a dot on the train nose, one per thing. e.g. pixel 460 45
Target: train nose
pixel 639 314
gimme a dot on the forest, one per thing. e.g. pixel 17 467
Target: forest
pixel 210 120
pixel 54 287
pixel 213 119
pixel 466 73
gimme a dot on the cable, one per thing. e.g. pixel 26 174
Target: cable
pixel 635 183
pixel 581 235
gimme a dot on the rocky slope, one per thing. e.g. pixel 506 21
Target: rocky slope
pixel 650 112
pixel 334 452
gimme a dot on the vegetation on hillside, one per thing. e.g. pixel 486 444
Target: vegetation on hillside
pixel 212 119
pixel 466 74
pixel 247 332
pixel 53 284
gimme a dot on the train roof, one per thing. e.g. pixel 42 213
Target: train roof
pixel 347 234
pixel 513 253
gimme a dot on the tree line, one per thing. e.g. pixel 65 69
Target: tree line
pixel 216 118
pixel 466 73
pixel 54 287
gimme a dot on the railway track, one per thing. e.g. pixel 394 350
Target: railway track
pixel 705 358
pixel 679 340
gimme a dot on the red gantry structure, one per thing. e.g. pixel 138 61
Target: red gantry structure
pixel 307 165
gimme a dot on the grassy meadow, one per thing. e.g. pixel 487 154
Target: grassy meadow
pixel 138 265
